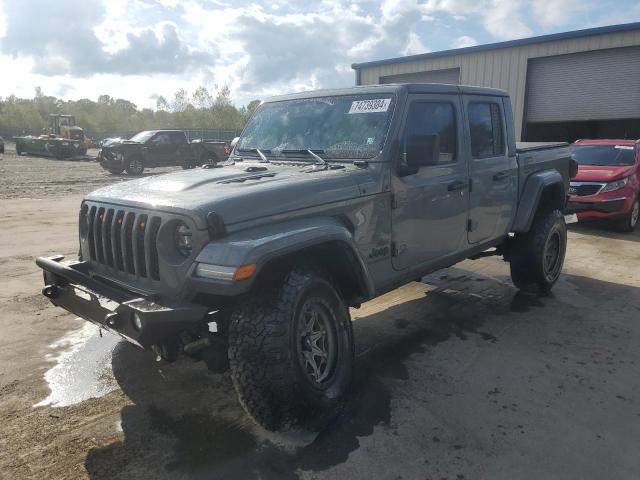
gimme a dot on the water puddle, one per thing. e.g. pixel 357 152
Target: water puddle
pixel 82 367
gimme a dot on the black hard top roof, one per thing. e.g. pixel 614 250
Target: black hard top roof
pixel 393 88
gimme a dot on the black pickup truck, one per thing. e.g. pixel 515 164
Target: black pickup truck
pixel 160 148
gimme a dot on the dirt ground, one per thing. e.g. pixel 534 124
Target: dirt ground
pixel 457 377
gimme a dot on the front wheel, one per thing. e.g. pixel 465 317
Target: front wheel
pixel 630 221
pixel 135 166
pixel 536 257
pixel 291 351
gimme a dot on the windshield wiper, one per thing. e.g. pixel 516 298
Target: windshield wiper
pixel 258 151
pixel 319 160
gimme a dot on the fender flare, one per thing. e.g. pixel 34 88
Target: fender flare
pixel 263 245
pixel 535 184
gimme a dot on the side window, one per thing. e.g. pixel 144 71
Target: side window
pixel 178 137
pixel 434 118
pixel 161 139
pixel 486 129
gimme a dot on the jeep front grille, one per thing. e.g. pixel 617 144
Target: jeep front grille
pixel 124 241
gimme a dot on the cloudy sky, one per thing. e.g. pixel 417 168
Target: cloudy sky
pixel 139 49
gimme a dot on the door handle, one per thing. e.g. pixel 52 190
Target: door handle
pixel 500 176
pixel 457 185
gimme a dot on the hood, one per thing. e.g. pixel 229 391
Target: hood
pixel 598 173
pixel 114 142
pixel 240 192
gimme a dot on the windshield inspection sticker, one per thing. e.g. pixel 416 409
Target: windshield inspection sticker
pixel 624 147
pixel 370 106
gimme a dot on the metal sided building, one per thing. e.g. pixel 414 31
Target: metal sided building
pixel 581 84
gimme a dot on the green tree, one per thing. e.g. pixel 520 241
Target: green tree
pixel 204 109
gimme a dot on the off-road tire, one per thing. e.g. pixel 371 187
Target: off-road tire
pixel 135 166
pixel 630 221
pixel 266 351
pixel 532 255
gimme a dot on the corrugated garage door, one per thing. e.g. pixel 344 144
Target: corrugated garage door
pixel 450 75
pixel 597 85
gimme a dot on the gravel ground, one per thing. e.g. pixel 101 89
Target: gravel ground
pixel 457 377
pixel 40 177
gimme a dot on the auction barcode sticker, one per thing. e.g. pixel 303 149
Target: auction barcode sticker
pixel 370 106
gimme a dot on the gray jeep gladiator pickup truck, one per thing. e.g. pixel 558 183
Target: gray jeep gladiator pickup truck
pixel 328 199
pixel 159 148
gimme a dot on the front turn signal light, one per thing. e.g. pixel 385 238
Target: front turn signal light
pixel 244 271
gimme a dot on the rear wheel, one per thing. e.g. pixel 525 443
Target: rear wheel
pixel 630 221
pixel 291 351
pixel 536 257
pixel 135 166
pixel 115 170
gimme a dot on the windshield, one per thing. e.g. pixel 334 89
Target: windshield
pixel 347 126
pixel 606 155
pixel 142 137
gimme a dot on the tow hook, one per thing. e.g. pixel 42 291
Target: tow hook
pixel 50 291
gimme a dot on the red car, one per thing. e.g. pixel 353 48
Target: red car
pixel 607 185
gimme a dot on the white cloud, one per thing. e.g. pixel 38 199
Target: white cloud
pixel 554 13
pixel 503 20
pixel 464 41
pixel 414 45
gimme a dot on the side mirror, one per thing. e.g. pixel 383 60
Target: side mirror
pixel 422 150
pixel 234 142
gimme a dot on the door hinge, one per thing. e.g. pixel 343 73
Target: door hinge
pixel 469 225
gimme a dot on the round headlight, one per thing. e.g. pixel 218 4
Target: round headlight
pixel 182 237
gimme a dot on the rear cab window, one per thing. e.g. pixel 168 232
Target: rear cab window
pixel 486 129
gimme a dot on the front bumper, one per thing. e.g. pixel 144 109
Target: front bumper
pixel 604 205
pixel 110 159
pixel 71 286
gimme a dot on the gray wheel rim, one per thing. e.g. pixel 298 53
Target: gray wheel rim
pixel 635 213
pixel 317 352
pixel 552 256
pixel 135 165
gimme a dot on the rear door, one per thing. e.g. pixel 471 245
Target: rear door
pixel 430 206
pixel 493 169
pixel 180 149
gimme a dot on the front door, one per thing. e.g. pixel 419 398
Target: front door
pixel 159 149
pixel 493 171
pixel 430 206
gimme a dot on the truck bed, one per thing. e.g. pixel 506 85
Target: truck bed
pixel 529 146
